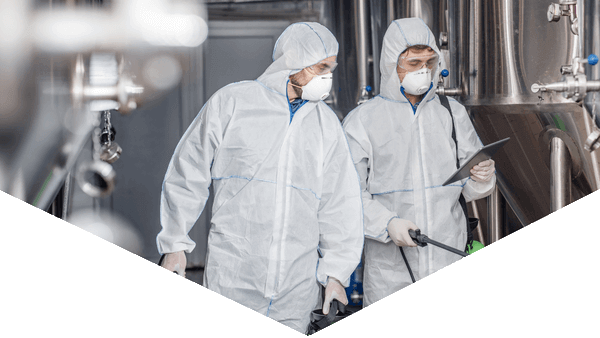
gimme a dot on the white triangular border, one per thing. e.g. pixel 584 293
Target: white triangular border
pixel 58 280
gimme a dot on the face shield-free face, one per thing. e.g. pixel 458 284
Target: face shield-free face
pixel 323 67
pixel 418 72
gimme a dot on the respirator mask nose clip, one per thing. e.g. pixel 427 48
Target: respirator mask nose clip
pixel 419 72
pixel 318 88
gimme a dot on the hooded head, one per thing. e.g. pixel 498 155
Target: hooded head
pixel 300 45
pixel 400 35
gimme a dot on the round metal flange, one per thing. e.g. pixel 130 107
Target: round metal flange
pixel 96 179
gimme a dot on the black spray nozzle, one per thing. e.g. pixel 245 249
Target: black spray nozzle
pixel 422 240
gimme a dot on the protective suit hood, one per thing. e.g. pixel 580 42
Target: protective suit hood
pixel 300 45
pixel 400 35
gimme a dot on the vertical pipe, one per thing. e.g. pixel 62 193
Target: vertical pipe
pixel 391 12
pixel 593 155
pixel 464 24
pixel 67 196
pixel 479 226
pixel 560 174
pixel 362 53
pixel 494 215
pixel 451 28
pixel 375 47
pixel 581 28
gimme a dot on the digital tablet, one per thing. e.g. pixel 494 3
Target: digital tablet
pixel 483 154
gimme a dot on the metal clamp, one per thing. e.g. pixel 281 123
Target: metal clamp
pixel 564 8
pixel 125 92
pixel 575 86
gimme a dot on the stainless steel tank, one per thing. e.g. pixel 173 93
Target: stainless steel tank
pixel 504 46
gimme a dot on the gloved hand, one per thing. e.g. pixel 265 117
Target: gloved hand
pixel 484 171
pixel 334 290
pixel 175 262
pixel 398 231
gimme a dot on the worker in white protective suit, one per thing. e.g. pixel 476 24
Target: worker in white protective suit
pixel 402 146
pixel 287 211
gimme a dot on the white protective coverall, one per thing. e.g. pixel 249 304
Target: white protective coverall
pixel 403 157
pixel 284 189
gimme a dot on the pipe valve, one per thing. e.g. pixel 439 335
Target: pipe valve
pixel 564 8
pixel 441 90
pixel 574 86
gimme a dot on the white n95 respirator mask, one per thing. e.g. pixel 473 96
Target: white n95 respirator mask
pixel 318 88
pixel 417 82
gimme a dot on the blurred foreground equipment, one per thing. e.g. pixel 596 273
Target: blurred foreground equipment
pixel 61 64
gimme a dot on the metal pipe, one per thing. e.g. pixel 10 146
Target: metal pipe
pixel 449 91
pixel 375 48
pixel 479 226
pixel 67 191
pixel 587 119
pixel 494 215
pixel 560 174
pixel 101 92
pixel 593 86
pixel 451 27
pixel 391 12
pixel 362 53
pixel 581 29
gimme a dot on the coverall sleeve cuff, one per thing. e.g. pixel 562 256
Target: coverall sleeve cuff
pixel 164 248
pixel 474 190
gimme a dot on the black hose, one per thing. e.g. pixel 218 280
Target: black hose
pixel 408 266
